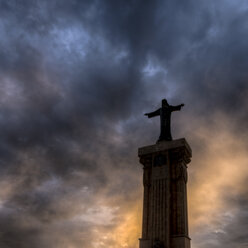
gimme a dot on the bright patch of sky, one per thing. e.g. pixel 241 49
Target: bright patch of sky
pixel 157 80
pixel 101 215
pixel 123 54
pixel 152 67
pixel 71 40
pixel 240 5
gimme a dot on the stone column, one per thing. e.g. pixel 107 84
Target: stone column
pixel 165 219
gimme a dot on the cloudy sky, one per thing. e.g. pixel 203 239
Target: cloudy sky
pixel 76 78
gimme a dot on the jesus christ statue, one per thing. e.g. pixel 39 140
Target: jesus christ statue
pixel 165 119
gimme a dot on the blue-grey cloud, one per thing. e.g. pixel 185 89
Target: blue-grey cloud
pixel 76 78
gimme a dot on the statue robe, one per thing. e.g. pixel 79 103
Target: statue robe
pixel 165 120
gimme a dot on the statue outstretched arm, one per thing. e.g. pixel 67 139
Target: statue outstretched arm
pixel 177 108
pixel 154 113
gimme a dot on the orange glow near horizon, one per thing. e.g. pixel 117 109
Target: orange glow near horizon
pixel 217 172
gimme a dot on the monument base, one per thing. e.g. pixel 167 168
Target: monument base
pixel 165 218
pixel 180 241
pixel 145 243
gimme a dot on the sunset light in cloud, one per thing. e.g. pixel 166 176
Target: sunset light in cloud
pixel 76 78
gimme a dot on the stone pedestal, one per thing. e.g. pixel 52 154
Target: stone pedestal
pixel 165 215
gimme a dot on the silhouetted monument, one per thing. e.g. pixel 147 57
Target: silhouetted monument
pixel 165 215
pixel 165 119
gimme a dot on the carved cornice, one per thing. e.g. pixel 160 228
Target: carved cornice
pixel 178 151
pixel 146 160
pixel 180 155
pixel 164 146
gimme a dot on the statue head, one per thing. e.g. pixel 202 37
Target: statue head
pixel 164 103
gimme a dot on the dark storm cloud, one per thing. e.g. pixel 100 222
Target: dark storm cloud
pixel 76 77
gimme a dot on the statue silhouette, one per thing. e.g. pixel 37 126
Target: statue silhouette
pixel 165 119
